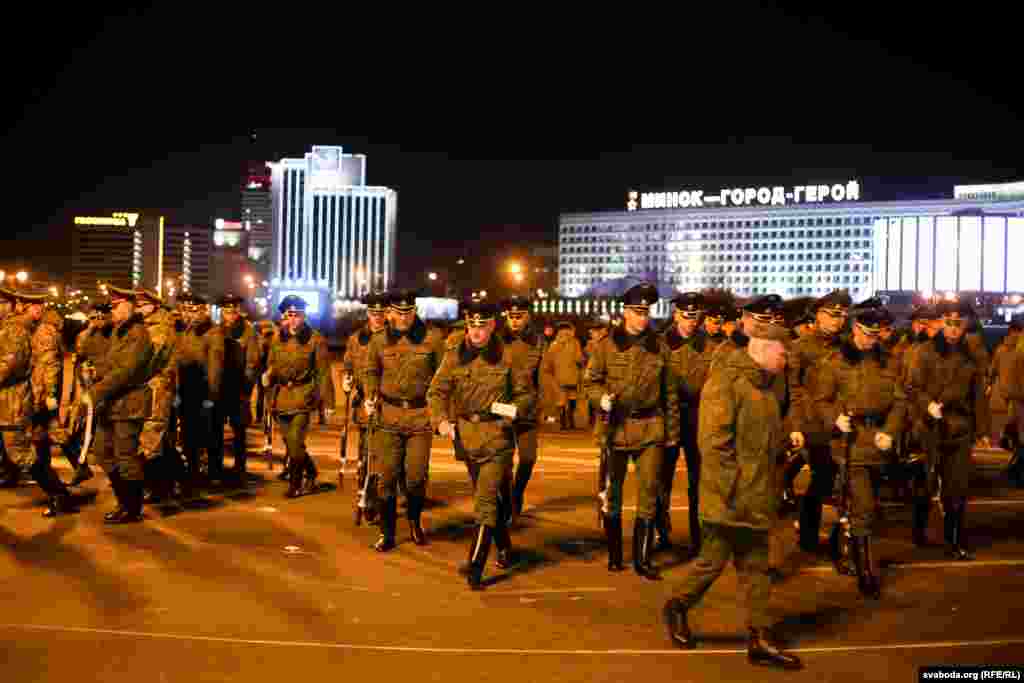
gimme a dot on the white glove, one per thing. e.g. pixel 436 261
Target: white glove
pixel 446 429
pixel 207 404
pixel 51 404
pixel 797 439
pixel 177 401
pixel 370 407
pixel 265 380
pixel 504 409
pixel 935 410
pixel 606 403
pixel 346 383
pixel 843 422
pixel 883 441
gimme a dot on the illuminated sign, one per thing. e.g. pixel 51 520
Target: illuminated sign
pixel 999 191
pixel 745 196
pixel 120 219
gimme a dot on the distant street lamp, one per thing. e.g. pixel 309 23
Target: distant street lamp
pixel 515 268
pixel 432 276
pixel 461 261
pixel 22 276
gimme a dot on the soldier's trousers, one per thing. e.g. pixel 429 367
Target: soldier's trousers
pixel 823 476
pixel 526 455
pixel 293 431
pixel 195 431
pixel 117 447
pixel 236 414
pixel 863 483
pixel 668 475
pixel 951 460
pixel 648 468
pixel 401 454
pixel 749 550
pixel 487 477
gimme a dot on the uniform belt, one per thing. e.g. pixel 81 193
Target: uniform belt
pixel 480 417
pixel 403 403
pixel 644 413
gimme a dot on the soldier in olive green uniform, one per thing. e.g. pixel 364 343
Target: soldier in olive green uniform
pixel 946 383
pixel 742 434
pixel 15 390
pixel 807 354
pixel 200 372
pixel 122 400
pixel 522 343
pixel 598 330
pixel 299 369
pixel 999 403
pixel 354 362
pixel 475 399
pixel 732 327
pixel 690 351
pixel 1011 383
pixel 241 370
pixel 859 395
pixel 629 379
pixel 400 364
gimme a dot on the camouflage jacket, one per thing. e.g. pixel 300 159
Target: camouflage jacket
pixel 635 370
pixel 15 370
pixel 163 369
pixel 563 361
pixel 241 360
pixel 869 388
pixel 942 373
pixel 805 357
pixel 689 360
pixel 400 367
pixel 524 350
pixel 354 361
pixel 467 383
pixel 47 365
pixel 300 371
pixel 741 437
pixel 122 391
pixel 201 361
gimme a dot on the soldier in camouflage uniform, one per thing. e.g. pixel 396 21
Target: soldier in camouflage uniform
pixel 859 396
pixel 200 374
pixel 400 363
pixel 299 370
pixel 15 390
pixel 742 434
pixel 522 343
pixel 475 399
pixel 690 351
pixel 241 371
pixel 807 354
pixel 946 384
pixel 122 400
pixel 629 379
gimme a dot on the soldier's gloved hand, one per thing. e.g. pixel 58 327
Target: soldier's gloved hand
pixel 370 407
pixel 797 439
pixel 883 441
pixel 51 404
pixel 446 429
pixel 207 404
pixel 177 401
pixel 843 422
pixel 935 410
pixel 265 380
pixel 606 403
pixel 346 383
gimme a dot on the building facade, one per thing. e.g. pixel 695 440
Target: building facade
pixel 805 241
pixel 257 215
pixel 333 235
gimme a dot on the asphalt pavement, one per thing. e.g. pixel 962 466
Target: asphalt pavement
pixel 248 585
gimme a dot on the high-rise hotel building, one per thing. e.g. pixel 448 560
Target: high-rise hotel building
pixel 334 235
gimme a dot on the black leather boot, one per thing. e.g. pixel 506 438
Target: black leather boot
pixel 311 484
pixel 562 421
pixel 872 584
pixel 503 542
pixel 760 650
pixel 674 615
pixel 920 521
pixel 286 469
pixel 662 526
pixel 810 523
pixel 958 549
pixel 57 505
pixel 117 484
pixel 130 510
pixel 857 557
pixel 478 557
pixel 294 479
pixel 388 520
pixel 643 539
pixel 572 415
pixel 524 470
pixel 613 534
pixel 414 511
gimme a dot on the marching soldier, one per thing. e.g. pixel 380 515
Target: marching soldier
pixel 122 400
pixel 629 378
pixel 946 383
pixel 690 351
pixel 241 365
pixel 859 394
pixel 1011 383
pixel 200 372
pixel 522 344
pixel 562 363
pixel 925 324
pixel 15 392
pixel 806 356
pixel 300 369
pixel 598 331
pixel 91 345
pixel 732 328
pixel 400 363
pixel 475 399
pixel 741 435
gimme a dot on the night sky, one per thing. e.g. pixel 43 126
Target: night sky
pixel 496 187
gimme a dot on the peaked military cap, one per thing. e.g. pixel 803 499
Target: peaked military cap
pixel 116 294
pixel 479 312
pixel 871 320
pixel 690 304
pixel 924 312
pixel 402 300
pixel 192 299
pixel 730 313
pixel 763 318
pixel 838 301
pixel 565 325
pixel 292 303
pixel 376 302
pixel 99 309
pixel 954 310
pixel 230 302
pixel 516 305
pixel 641 296
pixel 148 295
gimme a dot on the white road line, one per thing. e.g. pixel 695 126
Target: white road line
pixel 502 651
pixel 554 591
pixel 928 565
